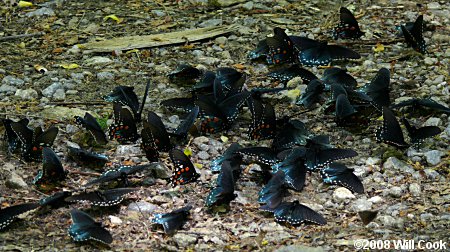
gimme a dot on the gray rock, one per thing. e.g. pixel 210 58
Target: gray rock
pixel 203 155
pixel 159 13
pixel 342 194
pixel 373 161
pixel 97 60
pixel 299 248
pixel 376 199
pixel 160 171
pixel 426 216
pixel 198 53
pixel 221 40
pixel 414 189
pixel 226 3
pixel 211 22
pixel 77 76
pixel 429 61
pixel 433 121
pixel 2 71
pixel 390 221
pixel 13 81
pixel 41 12
pixel 27 94
pixel 105 76
pixel 395 163
pixel 184 240
pixel 395 191
pixel 433 157
pixel 7 89
pixel 200 140
pixel 15 181
pixel 59 95
pixel 50 90
pixel 203 147
pixel 125 150
pixel 432 174
pixel 248 5
pixel 174 119
pixel 434 6
pixel 361 205
pixel 210 60
pixel 142 206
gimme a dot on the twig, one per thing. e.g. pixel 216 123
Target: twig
pixel 78 103
pixel 92 174
pixel 12 37
pixel 374 42
pixel 33 116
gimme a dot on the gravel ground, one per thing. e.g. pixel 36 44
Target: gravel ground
pixel 408 189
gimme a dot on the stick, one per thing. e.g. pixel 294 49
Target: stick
pixel 12 37
pixel 374 42
pixel 78 103
pixel 92 174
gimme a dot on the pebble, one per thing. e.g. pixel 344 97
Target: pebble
pixel 433 121
pixel 198 53
pixel 158 13
pixel 211 22
pixel 142 206
pixel 13 81
pixel 41 12
pixel 434 6
pixel 342 194
pixel 373 161
pixel 395 191
pixel 15 181
pixel 7 89
pixel 59 95
pixel 426 216
pixel 174 119
pixel 430 61
pixel 105 76
pixel 432 174
pixel 414 189
pixel 361 205
pixel 200 140
pixel 433 157
pixel 125 150
pixel 115 220
pixel 27 94
pixel 248 5
pixel 203 155
pixel 395 163
pixel 184 240
pixel 221 40
pixel 390 221
pixel 376 199
pixel 97 60
pixel 50 90
pixel 298 248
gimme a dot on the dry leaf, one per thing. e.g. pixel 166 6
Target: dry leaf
pixel 113 17
pixel 70 66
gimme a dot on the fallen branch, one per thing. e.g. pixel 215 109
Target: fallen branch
pixel 92 174
pixel 78 103
pixel 12 37
pixel 373 42
pixel 156 40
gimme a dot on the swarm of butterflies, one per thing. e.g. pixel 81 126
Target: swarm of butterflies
pixel 215 100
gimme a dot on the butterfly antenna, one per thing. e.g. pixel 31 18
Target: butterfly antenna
pixel 143 101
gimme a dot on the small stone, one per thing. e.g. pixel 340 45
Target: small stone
pixel 211 22
pixel 50 90
pixel 430 61
pixel 184 240
pixel 125 150
pixel 13 81
pixel 142 206
pixel 97 60
pixel 105 76
pixel 414 189
pixel 221 40
pixel 395 191
pixel 41 12
pixel 203 155
pixel 15 181
pixel 342 193
pixel 200 140
pixel 376 199
pixel 27 94
pixel 115 220
pixel 74 50
pixel 210 60
pixel 248 5
pixel 174 119
pixel 390 221
pixel 433 157
pixel 7 89
pixel 439 79
pixel 361 205
pixel 59 95
pixel 433 121
pixel 432 174
pixel 426 216
pixel 294 82
pixel 298 248
pixel 433 6
pixel 159 13
pixel 373 161
pixel 198 53
pixel 395 163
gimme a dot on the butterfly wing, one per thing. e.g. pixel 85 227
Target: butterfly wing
pixel 158 132
pixel 91 125
pixel 312 93
pixel 85 228
pixel 378 89
pixel 292 133
pixel 55 200
pixel 184 104
pixel 229 154
pixel 414 36
pixel 390 132
pixel 348 27
pixel 281 48
pixel 184 171
pixel 299 214
pixel 264 155
pixel 273 192
pixel 285 74
pixel 320 158
pixel 339 174
pixel 52 173
pixel 418 135
pixel 9 214
pixel 184 127
pixel 223 193
pixel 263 120
pixel 102 198
pixel 173 220
pixel 125 96
pixel 124 127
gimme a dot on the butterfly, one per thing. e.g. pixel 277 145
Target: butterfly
pixel 316 53
pixel 229 79
pixel 344 110
pixel 338 76
pixel 416 103
pixel 273 192
pixel 173 220
pixel 185 104
pixel 378 89
pixel 120 173
pixel 12 139
pixel 294 168
pixel 339 174
pixel 33 141
pixel 286 74
pixel 52 173
pixel 102 198
pixel 85 228
pixel 124 127
pixel 184 171
pixel 127 97
pixel 263 120
pixel 390 132
pixel 367 216
pixel 312 94
pixel 294 132
pixel 182 130
pixel 154 137
pixel 55 200
pixel 185 73
pixel 418 135
pixel 414 36
pixel 264 155
pixel 348 27
pixel 9 214
pixel 206 82
pixel 87 159
pixel 229 155
pixel 295 213
pixel 223 192
pixel 91 124
pixel 280 48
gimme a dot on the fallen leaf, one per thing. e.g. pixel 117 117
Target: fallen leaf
pixel 187 152
pixel 132 51
pixel 224 139
pixel 378 47
pixel 23 4
pixel 70 66
pixel 293 94
pixel 197 165
pixel 58 50
pixel 239 66
pixel 113 17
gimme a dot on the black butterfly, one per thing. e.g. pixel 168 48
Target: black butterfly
pixel 378 89
pixel 185 104
pixel 312 93
pixel 154 135
pixel 264 155
pixel 294 168
pixel 285 74
pixel 205 84
pixel 316 53
pixel 33 141
pixel 11 138
pixel 344 110
pixel 102 198
pixel 262 50
pixel 124 127
pixel 339 174
pixel 229 79
pixel 230 155
pixel 280 48
pixel 416 103
pixel 85 228
pixel 335 75
pixel 120 173
pixel 263 120
pixel 273 192
pixel 127 97
pixel 184 171
pixel 87 159
pixel 91 124
pixel 52 173
pixel 367 216
pixel 182 130
pixel 295 213
pixel 418 135
pixel 173 220
pixel 185 73
pixel 294 132
pixel 223 192
pixel 55 200
pixel 390 132
pixel 414 36
pixel 9 214
pixel 348 27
